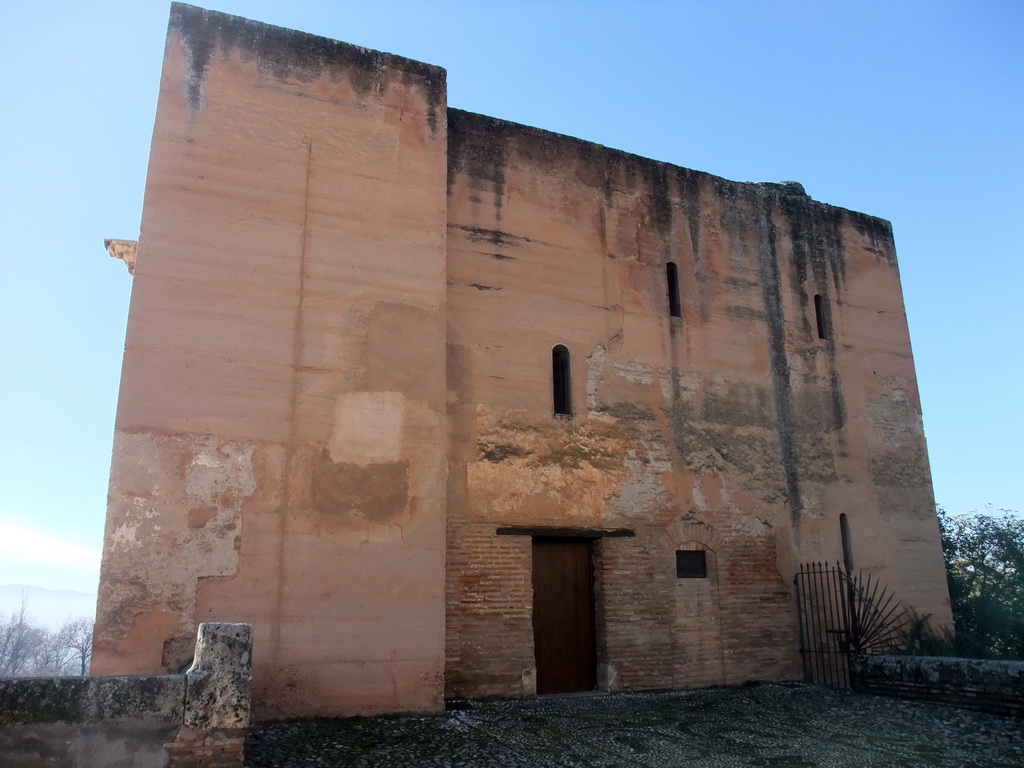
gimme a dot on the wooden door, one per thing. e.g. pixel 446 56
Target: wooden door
pixel 563 615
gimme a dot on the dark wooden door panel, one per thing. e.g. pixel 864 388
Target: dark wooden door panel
pixel 563 615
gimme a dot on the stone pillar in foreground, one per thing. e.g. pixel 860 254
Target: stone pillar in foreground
pixel 217 699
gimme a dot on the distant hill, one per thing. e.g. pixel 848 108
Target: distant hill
pixel 47 607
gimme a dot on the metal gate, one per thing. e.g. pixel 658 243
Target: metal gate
pixel 842 613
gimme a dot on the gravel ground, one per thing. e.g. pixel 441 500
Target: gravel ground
pixel 791 726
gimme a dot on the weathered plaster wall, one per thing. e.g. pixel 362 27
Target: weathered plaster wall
pixel 279 446
pixel 733 429
pixel 336 376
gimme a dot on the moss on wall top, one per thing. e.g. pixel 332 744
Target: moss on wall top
pixel 286 53
pixel 482 146
pixel 91 699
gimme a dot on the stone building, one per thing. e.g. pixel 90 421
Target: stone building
pixel 449 406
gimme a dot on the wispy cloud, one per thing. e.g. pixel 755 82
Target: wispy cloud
pixel 21 545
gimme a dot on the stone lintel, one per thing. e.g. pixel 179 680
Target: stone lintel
pixel 569 533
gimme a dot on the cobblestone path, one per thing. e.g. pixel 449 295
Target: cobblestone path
pixel 762 726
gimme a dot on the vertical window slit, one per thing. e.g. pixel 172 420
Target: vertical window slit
pixel 844 533
pixel 819 315
pixel 672 276
pixel 561 380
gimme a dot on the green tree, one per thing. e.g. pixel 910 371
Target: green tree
pixel 985 572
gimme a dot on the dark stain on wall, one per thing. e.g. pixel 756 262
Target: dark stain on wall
pixel 198 40
pixel 818 250
pixel 396 358
pixel 492 236
pixel 288 54
pixel 688 184
pixel 819 267
pixel 835 387
pixel 771 283
pixel 775 232
pixel 478 147
pixel 626 411
pixel 498 452
pixel 458 362
pixel 878 234
pixel 738 404
pixel 661 204
pixel 481 147
pixel 377 492
pixel 739 312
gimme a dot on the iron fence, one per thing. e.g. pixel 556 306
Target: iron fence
pixel 843 613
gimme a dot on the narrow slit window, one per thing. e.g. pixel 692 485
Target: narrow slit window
pixel 844 533
pixel 691 564
pixel 672 276
pixel 561 380
pixel 819 315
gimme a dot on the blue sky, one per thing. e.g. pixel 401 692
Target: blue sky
pixel 912 111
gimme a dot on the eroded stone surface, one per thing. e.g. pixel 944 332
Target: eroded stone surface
pixel 181 721
pixel 125 250
pixel 218 682
pixel 91 699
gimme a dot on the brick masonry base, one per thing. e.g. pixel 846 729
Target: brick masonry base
pixel 207 748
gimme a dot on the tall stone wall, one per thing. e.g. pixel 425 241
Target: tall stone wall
pixel 733 428
pixel 280 435
pixel 337 388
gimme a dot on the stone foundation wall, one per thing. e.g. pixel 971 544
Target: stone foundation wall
pixel 988 686
pixel 145 721
pixel 367 332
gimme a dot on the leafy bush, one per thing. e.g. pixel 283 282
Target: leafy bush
pixel 985 571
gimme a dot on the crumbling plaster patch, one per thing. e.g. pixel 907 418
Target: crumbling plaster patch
pixel 610 382
pixel 675 384
pixel 644 489
pixel 895 415
pixel 532 469
pixel 195 486
pixel 217 478
pixel 220 474
pixel 721 428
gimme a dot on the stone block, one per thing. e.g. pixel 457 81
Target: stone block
pixel 217 692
